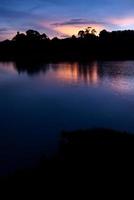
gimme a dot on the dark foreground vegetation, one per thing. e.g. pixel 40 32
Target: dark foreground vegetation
pixel 84 157
pixel 32 44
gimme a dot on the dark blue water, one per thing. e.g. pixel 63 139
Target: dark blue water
pixel 38 101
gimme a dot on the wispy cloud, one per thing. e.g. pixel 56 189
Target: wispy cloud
pixel 72 26
pixel 63 17
pixel 78 21
pixel 3 30
pixel 126 21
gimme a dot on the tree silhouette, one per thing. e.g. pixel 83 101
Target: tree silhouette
pixel 88 30
pixel 73 37
pixel 93 32
pixel 87 33
pixel 115 44
pixel 19 37
pixel 104 34
pixel 33 35
pixel 81 34
pixel 44 37
pixel 55 39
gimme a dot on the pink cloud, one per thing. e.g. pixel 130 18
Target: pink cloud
pixel 123 21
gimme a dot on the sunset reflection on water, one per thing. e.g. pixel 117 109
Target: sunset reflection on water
pixel 118 75
pixel 75 72
pixel 39 100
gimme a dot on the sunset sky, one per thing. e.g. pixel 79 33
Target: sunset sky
pixel 63 17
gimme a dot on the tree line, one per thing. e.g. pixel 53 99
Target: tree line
pixel 86 44
pixel 33 35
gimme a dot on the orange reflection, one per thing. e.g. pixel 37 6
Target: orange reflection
pixel 75 72
pixel 68 72
pixel 93 74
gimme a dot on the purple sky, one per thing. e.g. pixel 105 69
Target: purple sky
pixel 62 17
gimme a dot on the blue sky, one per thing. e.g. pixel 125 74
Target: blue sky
pixel 63 17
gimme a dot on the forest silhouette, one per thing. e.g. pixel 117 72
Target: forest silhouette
pixel 87 44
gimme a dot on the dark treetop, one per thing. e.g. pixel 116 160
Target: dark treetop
pixel 108 45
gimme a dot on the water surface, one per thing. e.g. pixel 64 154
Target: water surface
pixel 38 101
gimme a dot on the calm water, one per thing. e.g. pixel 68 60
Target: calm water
pixel 38 101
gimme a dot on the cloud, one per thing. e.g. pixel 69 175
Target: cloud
pixel 3 30
pixel 64 17
pixel 123 21
pixel 78 22
pixel 73 26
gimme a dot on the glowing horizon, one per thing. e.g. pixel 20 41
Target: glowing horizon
pixel 59 18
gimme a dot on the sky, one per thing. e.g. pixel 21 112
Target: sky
pixel 63 18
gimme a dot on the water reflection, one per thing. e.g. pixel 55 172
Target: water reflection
pixel 31 68
pixel 75 72
pixel 69 72
pixel 118 75
pixel 7 68
pixel 122 85
pixel 38 100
